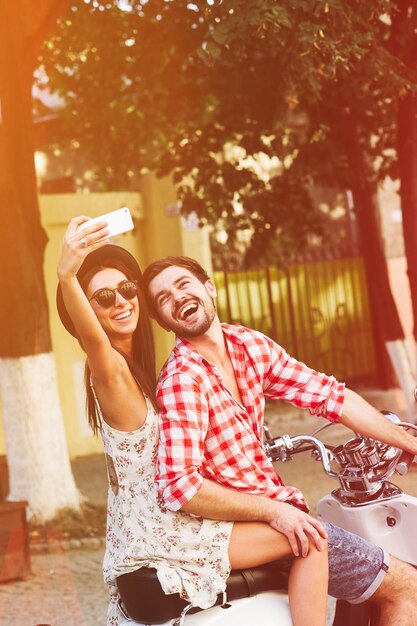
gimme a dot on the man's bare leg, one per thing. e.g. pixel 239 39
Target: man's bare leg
pixel 396 597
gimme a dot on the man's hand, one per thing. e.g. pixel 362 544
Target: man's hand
pixel 299 528
pixel 215 501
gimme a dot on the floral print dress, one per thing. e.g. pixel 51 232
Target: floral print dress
pixel 190 554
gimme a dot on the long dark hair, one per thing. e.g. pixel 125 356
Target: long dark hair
pixel 142 364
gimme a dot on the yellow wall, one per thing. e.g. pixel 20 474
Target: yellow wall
pixel 158 232
pixel 164 233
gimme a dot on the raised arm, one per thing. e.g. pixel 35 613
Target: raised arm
pixel 105 329
pixel 101 356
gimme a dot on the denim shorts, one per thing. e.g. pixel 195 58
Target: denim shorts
pixel 356 567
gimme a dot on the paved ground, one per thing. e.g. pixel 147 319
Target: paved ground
pixel 66 588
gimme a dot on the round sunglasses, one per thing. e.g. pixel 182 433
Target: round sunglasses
pixel 106 297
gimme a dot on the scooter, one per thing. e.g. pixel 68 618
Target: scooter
pixel 365 503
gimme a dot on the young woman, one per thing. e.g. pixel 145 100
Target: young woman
pixel 100 302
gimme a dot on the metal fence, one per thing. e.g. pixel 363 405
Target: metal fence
pixel 318 311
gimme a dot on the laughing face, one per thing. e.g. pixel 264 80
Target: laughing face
pixel 121 318
pixel 184 304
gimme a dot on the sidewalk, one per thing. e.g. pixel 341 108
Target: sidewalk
pixel 66 587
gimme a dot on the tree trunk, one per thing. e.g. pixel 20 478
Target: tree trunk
pixel 406 48
pixel 372 251
pixel 31 411
pixel 403 367
pixel 37 453
pixel 407 159
pixel 387 323
pixel 403 44
pixel 388 331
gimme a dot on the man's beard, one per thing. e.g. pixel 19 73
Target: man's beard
pixel 200 327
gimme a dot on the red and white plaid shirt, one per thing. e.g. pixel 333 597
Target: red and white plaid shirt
pixel 206 433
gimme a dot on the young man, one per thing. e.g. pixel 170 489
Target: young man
pixel 212 394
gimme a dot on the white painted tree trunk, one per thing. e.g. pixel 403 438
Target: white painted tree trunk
pixel 405 372
pixel 37 453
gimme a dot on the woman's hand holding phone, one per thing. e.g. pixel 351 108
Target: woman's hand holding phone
pixel 81 237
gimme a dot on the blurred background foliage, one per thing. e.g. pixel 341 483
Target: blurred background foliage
pixel 249 104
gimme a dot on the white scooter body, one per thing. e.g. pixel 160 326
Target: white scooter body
pixel 390 524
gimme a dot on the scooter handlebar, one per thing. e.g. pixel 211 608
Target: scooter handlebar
pixel 282 448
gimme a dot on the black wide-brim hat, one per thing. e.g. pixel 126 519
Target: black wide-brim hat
pixel 107 256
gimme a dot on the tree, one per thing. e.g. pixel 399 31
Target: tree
pixel 37 454
pixel 197 88
pixel 204 90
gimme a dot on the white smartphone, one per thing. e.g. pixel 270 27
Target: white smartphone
pixel 118 222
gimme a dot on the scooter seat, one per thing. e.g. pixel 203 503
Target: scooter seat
pixel 144 600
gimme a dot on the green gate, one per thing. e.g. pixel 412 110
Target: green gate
pixel 319 312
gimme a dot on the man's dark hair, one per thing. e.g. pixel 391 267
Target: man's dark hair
pixel 159 266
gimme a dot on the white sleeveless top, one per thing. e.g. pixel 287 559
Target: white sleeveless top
pixel 190 554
